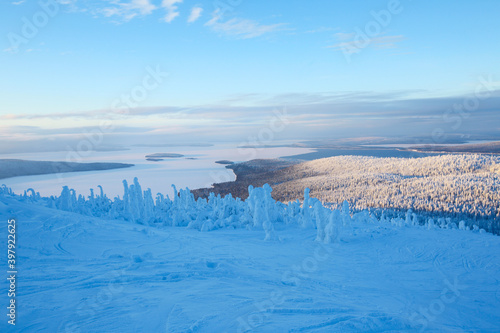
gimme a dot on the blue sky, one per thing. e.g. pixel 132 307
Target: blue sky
pixel 84 55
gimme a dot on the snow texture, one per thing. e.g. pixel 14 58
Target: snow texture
pixel 134 264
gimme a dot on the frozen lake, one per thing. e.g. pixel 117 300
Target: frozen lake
pixel 196 169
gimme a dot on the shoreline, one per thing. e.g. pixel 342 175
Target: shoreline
pixel 254 172
pixel 10 168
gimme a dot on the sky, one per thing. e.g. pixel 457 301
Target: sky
pixel 221 69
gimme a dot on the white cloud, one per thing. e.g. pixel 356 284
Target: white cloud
pixel 387 42
pixel 171 15
pixel 321 29
pixel 144 6
pixel 129 10
pixel 240 28
pixel 195 14
pixel 353 43
pixel 216 16
pixel 345 36
pixel 18 2
pixel 171 7
pixel 12 49
pixel 170 3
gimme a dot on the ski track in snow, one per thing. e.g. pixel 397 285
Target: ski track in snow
pixel 84 274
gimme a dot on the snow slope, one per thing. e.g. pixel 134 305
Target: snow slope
pixel 79 273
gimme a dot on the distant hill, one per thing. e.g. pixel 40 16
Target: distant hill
pixel 16 168
pixel 482 148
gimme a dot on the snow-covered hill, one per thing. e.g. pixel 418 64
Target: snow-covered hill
pixel 136 273
pixel 457 186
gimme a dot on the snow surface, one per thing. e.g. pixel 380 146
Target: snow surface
pixel 81 273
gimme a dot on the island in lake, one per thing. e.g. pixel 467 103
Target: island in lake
pixel 158 157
